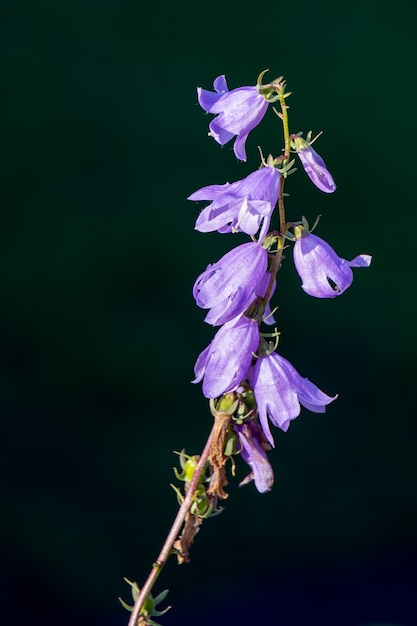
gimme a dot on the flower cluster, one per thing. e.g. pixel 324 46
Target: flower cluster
pixel 236 290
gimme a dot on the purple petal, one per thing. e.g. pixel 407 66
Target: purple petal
pixel 317 264
pixel 233 105
pixel 219 133
pixel 212 192
pixel 238 112
pixel 207 99
pixel 316 169
pixel 218 218
pixel 220 84
pixel 363 260
pixel 309 395
pixel 225 362
pixel 251 214
pixel 255 456
pixel 279 389
pixel 244 205
pixel 239 147
pixel 274 395
pixel 228 285
pixel 200 365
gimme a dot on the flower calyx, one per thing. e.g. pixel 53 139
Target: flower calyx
pixel 279 163
pixel 149 609
pixel 267 347
pixel 272 91
pixel 188 464
pixel 273 239
pixel 298 143
pixel 242 404
pixel 201 505
pixel 301 229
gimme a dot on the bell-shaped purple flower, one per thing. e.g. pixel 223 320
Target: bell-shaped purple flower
pixel 226 361
pixel 228 286
pixel 279 390
pixel 324 274
pixel 252 442
pixel 314 165
pixel 240 206
pixel 238 112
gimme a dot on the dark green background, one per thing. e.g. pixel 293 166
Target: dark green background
pixel 101 142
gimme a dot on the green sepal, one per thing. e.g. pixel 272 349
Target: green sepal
pixel 230 446
pixel 180 497
pixel 227 403
pixel 135 593
pixel 201 505
pixel 149 606
pixel 160 597
pixel 188 465
pixel 269 91
pixel 125 605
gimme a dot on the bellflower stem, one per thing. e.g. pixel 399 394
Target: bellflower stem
pixel 284 113
pixel 281 208
pixel 287 145
pixel 173 533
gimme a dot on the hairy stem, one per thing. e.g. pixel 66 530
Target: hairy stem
pixel 173 533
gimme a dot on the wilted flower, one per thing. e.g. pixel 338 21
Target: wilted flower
pixel 228 286
pixel 240 206
pixel 279 390
pixel 253 445
pixel 225 362
pixel 239 111
pixel 313 164
pixel 324 274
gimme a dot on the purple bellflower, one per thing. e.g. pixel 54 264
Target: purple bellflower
pixel 252 442
pixel 279 390
pixel 229 286
pixel 238 112
pixel 313 164
pixel 226 360
pixel 323 273
pixel 240 206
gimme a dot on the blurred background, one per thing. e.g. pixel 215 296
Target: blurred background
pixel 102 141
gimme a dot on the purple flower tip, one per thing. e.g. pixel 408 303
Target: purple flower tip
pixel 241 206
pixel 323 273
pixel 253 452
pixel 238 112
pixel 279 390
pixel 226 361
pixel 314 165
pixel 230 285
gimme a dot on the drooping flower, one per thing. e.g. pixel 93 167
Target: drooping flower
pixel 323 273
pixel 238 112
pixel 252 443
pixel 226 360
pixel 240 206
pixel 228 286
pixel 313 164
pixel 279 390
